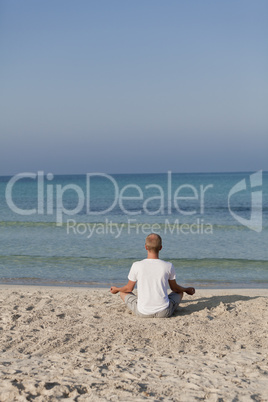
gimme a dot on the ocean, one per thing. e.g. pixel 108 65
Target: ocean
pixel 87 230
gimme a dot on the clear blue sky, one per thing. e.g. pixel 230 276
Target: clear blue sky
pixel 133 86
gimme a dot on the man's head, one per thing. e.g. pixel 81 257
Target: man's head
pixel 153 243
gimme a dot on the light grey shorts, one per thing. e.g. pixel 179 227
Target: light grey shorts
pixel 174 300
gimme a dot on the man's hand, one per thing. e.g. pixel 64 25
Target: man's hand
pixel 125 289
pixel 180 289
pixel 114 290
pixel 190 291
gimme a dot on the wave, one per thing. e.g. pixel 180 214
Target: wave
pixel 119 261
pixel 104 271
pixel 51 282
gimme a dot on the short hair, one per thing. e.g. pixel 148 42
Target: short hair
pixel 153 242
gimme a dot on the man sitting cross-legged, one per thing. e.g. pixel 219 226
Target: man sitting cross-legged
pixel 153 276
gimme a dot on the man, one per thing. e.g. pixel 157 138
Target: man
pixel 153 277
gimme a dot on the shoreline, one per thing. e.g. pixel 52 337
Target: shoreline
pixel 83 344
pixel 98 285
pixel 257 290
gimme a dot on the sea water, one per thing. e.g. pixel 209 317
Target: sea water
pixel 86 230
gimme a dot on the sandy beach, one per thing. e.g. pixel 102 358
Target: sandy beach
pixel 84 345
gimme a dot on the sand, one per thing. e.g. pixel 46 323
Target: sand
pixel 84 345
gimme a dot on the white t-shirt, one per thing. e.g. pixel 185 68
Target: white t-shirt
pixel 152 277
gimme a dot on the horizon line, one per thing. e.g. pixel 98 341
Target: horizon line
pixel 136 173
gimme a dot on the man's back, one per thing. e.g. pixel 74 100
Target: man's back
pixel 152 276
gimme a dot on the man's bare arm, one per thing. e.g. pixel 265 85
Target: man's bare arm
pixel 180 289
pixel 126 289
